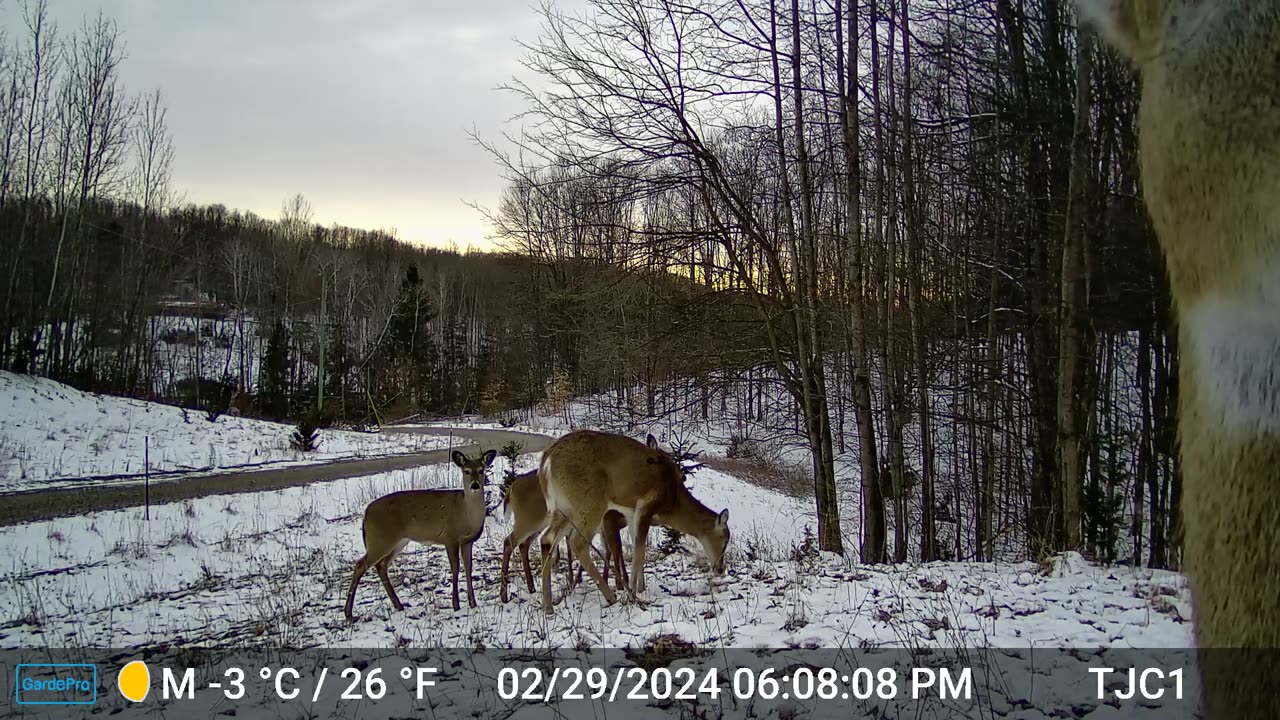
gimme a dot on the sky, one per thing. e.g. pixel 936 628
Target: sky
pixel 362 106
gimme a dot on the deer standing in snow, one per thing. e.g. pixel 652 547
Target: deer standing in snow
pixel 587 473
pixel 526 507
pixel 452 518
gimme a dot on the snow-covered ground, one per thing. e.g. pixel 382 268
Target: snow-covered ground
pixel 51 432
pixel 273 567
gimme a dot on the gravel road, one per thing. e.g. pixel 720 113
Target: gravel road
pixel 33 505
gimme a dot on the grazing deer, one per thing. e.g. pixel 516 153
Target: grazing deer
pixel 452 518
pixel 1209 148
pixel 524 504
pixel 586 473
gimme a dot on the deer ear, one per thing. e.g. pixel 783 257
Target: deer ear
pixel 723 518
pixel 458 458
pixel 489 457
pixel 652 442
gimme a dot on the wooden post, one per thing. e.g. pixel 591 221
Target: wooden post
pixel 146 477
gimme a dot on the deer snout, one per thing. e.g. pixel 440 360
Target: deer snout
pixel 717 567
pixel 714 560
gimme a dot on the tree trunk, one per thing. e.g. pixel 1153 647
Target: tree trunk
pixel 1074 309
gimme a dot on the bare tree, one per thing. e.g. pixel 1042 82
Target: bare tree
pixel 96 115
pixel 153 153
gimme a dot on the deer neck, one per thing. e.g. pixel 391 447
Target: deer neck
pixel 473 505
pixel 687 515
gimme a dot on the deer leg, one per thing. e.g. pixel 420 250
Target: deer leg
pixel 568 565
pixel 382 566
pixel 616 560
pixel 573 578
pixel 453 570
pixel 506 565
pixel 608 562
pixel 578 577
pixel 623 578
pixel 524 557
pixel 582 548
pixel 362 565
pixel 643 518
pixel 612 529
pixel 550 538
pixel 466 564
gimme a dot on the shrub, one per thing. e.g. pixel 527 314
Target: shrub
pixel 670 542
pixel 510 451
pixel 807 550
pixel 744 448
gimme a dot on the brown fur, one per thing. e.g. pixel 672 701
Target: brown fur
pixel 528 510
pixel 1209 145
pixel 452 518
pixel 586 473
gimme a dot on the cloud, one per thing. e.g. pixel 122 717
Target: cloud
pixel 363 105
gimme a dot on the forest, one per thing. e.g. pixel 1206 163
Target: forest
pixel 909 233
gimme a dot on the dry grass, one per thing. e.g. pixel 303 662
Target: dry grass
pixel 788 481
pixel 661 650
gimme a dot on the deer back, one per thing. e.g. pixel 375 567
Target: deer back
pixel 606 469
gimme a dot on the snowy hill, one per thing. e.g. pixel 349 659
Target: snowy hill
pixel 51 432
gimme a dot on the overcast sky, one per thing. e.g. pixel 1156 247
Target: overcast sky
pixel 362 106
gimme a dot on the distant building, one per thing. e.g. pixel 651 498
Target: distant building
pixel 183 301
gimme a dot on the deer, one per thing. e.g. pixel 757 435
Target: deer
pixel 587 473
pixel 452 518
pixel 525 506
pixel 1209 151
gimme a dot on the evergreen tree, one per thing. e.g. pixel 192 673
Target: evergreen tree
pixel 411 336
pixel 275 373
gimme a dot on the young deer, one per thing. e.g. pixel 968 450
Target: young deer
pixel 525 505
pixel 452 518
pixel 586 473
pixel 1209 149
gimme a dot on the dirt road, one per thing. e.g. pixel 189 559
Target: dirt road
pixel 35 505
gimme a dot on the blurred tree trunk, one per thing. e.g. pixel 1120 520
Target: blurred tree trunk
pixel 1071 403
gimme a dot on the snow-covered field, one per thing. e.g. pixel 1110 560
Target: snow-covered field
pixel 272 568
pixel 51 432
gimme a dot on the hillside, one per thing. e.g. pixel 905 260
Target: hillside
pixel 54 435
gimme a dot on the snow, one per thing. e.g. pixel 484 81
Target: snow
pixel 53 433
pixel 272 567
pixel 271 570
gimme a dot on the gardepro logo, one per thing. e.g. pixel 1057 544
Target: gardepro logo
pixel 56 684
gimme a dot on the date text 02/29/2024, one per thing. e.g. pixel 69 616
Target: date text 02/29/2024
pixel 800 683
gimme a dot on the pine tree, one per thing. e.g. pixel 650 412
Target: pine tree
pixel 411 335
pixel 275 373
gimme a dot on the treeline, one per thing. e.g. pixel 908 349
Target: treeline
pixel 286 319
pixel 112 285
pixel 919 223
pixel 930 212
